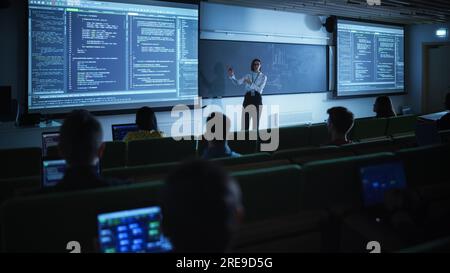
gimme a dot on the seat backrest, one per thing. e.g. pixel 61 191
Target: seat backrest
pixel 243 159
pixel 257 165
pixel 426 165
pixel 369 147
pixel 440 245
pixel 404 141
pixel 401 125
pixel 368 128
pixel 306 151
pixel 331 154
pixel 10 186
pixel 20 162
pixel 335 182
pixel 318 134
pixel 445 136
pixel 301 232
pixel 114 155
pixel 242 142
pixel 270 192
pixel 141 173
pixel 46 223
pixel 159 150
pixel 293 137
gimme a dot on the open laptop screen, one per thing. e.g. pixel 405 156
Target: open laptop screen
pixel 52 172
pixel 378 179
pixel 49 139
pixel 119 131
pixel 137 230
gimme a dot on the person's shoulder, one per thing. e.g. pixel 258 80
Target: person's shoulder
pixel 138 135
pixel 131 136
pixel 155 134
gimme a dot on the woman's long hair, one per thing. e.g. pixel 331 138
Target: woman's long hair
pixel 146 119
pixel 251 65
pixel 383 107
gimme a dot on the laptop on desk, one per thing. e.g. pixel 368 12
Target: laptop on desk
pixel 132 231
pixel 53 171
pixel 50 141
pixel 377 180
pixel 119 131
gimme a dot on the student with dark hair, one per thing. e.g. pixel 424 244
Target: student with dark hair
pixel 444 122
pixel 80 144
pixel 147 126
pixel 201 207
pixel 340 122
pixel 217 130
pixel 254 86
pixel 383 107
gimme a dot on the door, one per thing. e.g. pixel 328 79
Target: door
pixel 439 77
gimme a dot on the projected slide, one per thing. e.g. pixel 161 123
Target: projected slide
pixel 370 58
pixel 107 55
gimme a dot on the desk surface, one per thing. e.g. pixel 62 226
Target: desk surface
pixel 433 116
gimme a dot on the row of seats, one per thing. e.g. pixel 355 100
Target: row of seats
pixel 26 161
pixel 145 152
pixel 298 156
pixel 376 127
pixel 314 207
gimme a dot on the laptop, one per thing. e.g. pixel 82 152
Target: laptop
pixel 49 139
pixel 53 171
pixel 119 131
pixel 132 231
pixel 377 179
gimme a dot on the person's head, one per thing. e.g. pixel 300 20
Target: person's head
pixel 201 207
pixel 383 107
pixel 80 140
pixel 146 119
pixel 256 65
pixel 217 127
pixel 340 121
pixel 447 101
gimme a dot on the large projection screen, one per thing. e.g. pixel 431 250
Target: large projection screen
pixel 370 58
pixel 108 55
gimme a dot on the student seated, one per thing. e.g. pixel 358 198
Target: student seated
pixel 383 107
pixel 340 122
pixel 147 126
pixel 202 208
pixel 80 144
pixel 217 130
pixel 444 122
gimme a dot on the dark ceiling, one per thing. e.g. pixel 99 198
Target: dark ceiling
pixel 394 11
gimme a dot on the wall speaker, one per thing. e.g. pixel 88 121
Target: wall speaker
pixel 330 24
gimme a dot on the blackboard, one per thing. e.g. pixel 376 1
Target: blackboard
pixel 290 68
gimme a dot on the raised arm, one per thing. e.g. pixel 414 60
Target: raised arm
pixel 259 85
pixel 232 77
